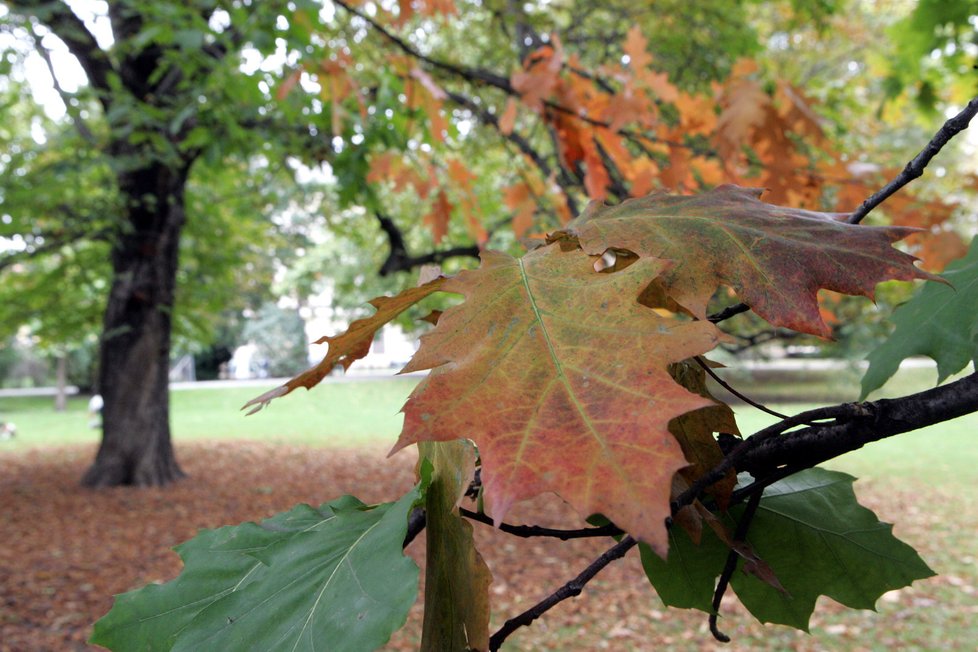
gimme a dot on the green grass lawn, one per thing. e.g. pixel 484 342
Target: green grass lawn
pixel 333 414
pixel 367 412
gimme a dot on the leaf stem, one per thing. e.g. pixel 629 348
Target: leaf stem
pixel 728 570
pixel 726 386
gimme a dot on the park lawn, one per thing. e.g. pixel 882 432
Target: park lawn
pixel 353 412
pixel 336 413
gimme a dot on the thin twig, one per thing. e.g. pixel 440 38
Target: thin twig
pixel 726 386
pixel 728 570
pixel 569 590
pixel 915 168
pixel 527 531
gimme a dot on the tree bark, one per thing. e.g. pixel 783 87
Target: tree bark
pixel 61 381
pixel 135 351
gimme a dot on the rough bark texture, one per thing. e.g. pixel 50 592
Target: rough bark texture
pixel 142 88
pixel 135 353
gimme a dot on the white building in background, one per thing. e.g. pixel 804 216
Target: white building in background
pixel 391 348
pixel 240 366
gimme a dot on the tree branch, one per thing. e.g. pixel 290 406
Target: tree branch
pixel 771 455
pixel 417 520
pixel 398 260
pixel 728 312
pixel 915 168
pixel 66 97
pixel 569 590
pixel 493 121
pixel 847 427
pixel 487 77
pixel 471 74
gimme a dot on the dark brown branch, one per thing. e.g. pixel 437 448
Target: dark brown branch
pixel 528 531
pixel 848 427
pixel 470 74
pixel 398 260
pixel 488 118
pixel 770 453
pixel 728 312
pixel 756 339
pixel 915 168
pixel 571 589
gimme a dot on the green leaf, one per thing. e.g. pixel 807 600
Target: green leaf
pixel 940 321
pixel 820 541
pixel 817 539
pixel 686 579
pixel 335 574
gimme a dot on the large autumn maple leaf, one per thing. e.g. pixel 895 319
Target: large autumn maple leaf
pixel 775 258
pixel 560 377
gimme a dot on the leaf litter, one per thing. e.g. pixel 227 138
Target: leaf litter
pixel 64 551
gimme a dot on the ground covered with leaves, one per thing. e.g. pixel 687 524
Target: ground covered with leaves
pixel 64 551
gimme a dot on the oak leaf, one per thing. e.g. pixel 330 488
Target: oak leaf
pixel 940 321
pixel 439 217
pixel 694 431
pixel 508 119
pixel 559 376
pixel 353 344
pixel 775 258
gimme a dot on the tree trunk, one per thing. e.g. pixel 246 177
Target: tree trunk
pixel 61 381
pixel 135 349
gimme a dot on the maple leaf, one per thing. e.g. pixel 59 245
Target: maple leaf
pixel 519 198
pixel 559 376
pixel 775 258
pixel 746 107
pixel 353 344
pixel 464 180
